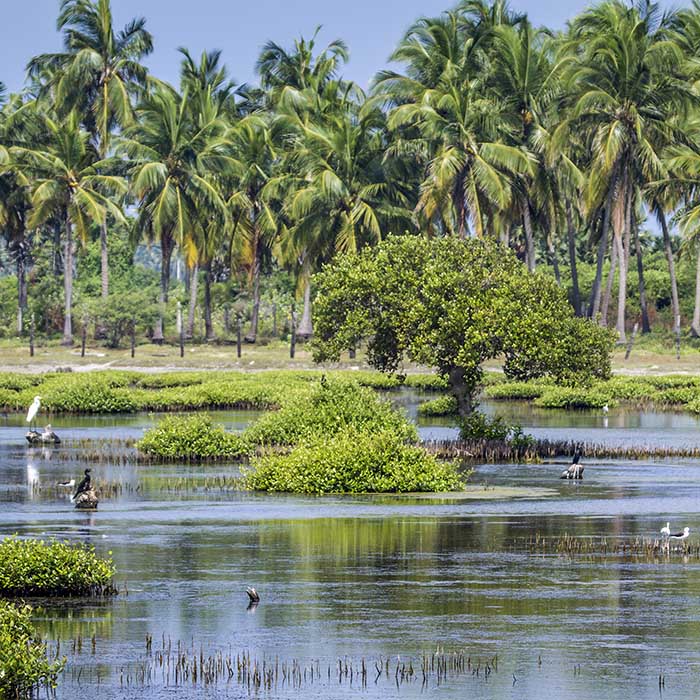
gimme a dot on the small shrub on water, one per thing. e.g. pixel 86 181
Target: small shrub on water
pixel 353 461
pixel 24 668
pixel 442 406
pixel 191 437
pixel 38 568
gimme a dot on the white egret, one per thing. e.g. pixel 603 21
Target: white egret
pixel 666 531
pixel 33 410
pixel 605 410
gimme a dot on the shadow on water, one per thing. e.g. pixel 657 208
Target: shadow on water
pixel 376 578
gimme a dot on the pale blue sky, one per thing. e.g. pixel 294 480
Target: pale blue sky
pixel 371 28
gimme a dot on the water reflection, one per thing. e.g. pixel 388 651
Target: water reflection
pixel 394 576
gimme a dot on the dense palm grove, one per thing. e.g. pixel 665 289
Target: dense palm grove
pixel 561 145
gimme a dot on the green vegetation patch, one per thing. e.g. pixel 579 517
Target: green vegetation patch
pixel 353 461
pixel 573 397
pixel 191 437
pixel 326 408
pixel 38 568
pixel 24 667
pixel 442 406
pixel 510 391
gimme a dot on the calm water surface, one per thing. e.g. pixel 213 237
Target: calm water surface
pixel 382 576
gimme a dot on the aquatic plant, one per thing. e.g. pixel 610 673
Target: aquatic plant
pixel 39 568
pixel 574 397
pixel 326 408
pixel 442 406
pixel 24 666
pixel 353 461
pixel 191 437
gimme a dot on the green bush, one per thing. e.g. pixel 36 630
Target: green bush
pixel 429 382
pixel 24 667
pixel 442 406
pixel 191 437
pixel 326 408
pixel 38 568
pixel 574 397
pixel 353 461
pixel 515 390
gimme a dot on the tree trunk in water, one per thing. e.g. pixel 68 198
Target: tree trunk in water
pixel 306 327
pixel 529 238
pixel 104 260
pixel 608 287
pixel 571 233
pixel 208 326
pixel 68 284
pixel 695 325
pixel 166 251
pixel 675 306
pixel 646 326
pixel 252 334
pixel 194 280
pixel 594 304
pixel 462 392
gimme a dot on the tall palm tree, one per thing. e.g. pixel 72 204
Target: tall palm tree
pixel 174 166
pixel 67 185
pixel 627 87
pixel 97 74
pixel 346 196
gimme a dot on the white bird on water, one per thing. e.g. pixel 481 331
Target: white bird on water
pixel 666 531
pixel 605 409
pixel 33 410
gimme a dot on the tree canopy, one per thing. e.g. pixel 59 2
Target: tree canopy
pixel 452 304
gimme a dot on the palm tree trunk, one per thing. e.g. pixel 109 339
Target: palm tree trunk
pixel 68 283
pixel 695 325
pixel 166 251
pixel 646 326
pixel 252 334
pixel 529 237
pixel 21 286
pixel 104 260
pixel 622 289
pixel 208 326
pixel 553 258
pixel 194 279
pixel 306 327
pixel 571 233
pixel 594 304
pixel 608 287
pixel 675 306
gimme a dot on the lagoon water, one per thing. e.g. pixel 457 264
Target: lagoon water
pixel 380 577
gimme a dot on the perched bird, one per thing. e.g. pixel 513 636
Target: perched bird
pixel 84 485
pixel 575 471
pixel 666 531
pixel 33 410
pixel 680 535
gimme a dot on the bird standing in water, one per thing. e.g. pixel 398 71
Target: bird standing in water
pixel 84 485
pixel 680 536
pixel 33 410
pixel 666 530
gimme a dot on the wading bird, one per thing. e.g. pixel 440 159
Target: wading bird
pixel 33 410
pixel 680 536
pixel 605 410
pixel 666 531
pixel 68 484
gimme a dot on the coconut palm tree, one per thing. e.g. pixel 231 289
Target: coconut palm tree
pixel 97 74
pixel 174 164
pixel 626 89
pixel 346 196
pixel 68 185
